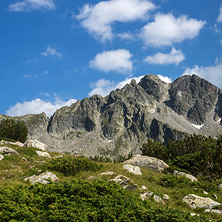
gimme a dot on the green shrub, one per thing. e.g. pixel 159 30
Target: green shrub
pixel 12 129
pixel 82 201
pixel 70 165
pixel 196 154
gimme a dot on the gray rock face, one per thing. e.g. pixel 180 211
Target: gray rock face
pixel 151 163
pixel 195 201
pixel 194 98
pixel 7 151
pixel 43 178
pixel 119 123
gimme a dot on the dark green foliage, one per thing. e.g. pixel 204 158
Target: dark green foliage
pixel 82 201
pixel 174 181
pixel 12 129
pixel 196 154
pixel 70 165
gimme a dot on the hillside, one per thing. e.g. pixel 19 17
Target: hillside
pixel 82 190
pixel 120 123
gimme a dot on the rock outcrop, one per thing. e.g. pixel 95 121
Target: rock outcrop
pixel 36 144
pixel 43 178
pixel 151 163
pixel 132 169
pixel 125 182
pixel 119 123
pixel 188 176
pixel 7 151
pixel 43 154
pixel 195 201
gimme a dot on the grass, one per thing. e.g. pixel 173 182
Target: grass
pixel 13 171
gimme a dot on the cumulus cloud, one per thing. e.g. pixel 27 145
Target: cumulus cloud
pixel 50 51
pixel 219 19
pixel 167 30
pixel 115 60
pixel 126 36
pixel 104 87
pixel 174 57
pixel 37 106
pixel 28 5
pixel 211 73
pixel 98 19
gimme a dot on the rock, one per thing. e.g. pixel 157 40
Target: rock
pixel 205 192
pixel 1 157
pixel 125 182
pixel 12 143
pixel 158 199
pixel 166 197
pixel 23 158
pixel 188 176
pixel 43 178
pixel 220 186
pixel 215 196
pixel 108 173
pixel 132 169
pixel 195 201
pixel 43 154
pixel 214 211
pixel 143 187
pixel 151 163
pixel 146 196
pixel 19 144
pixel 7 151
pixel 36 144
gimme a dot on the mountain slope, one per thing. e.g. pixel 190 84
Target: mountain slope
pixel 119 123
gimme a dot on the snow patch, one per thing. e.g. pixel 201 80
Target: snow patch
pixel 197 126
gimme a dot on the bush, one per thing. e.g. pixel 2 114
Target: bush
pixel 82 201
pixel 12 129
pixel 71 165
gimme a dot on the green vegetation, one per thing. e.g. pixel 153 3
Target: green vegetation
pixel 15 130
pixel 83 194
pixel 70 165
pixel 82 201
pixel 196 154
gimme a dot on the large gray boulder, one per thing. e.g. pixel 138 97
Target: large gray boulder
pixel 132 169
pixel 7 151
pixel 125 182
pixel 195 201
pixel 36 144
pixel 151 163
pixel 43 178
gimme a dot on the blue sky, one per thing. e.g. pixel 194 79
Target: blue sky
pixel 54 52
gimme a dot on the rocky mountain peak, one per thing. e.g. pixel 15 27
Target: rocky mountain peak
pixel 119 123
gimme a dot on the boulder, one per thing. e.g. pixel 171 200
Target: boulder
pixel 132 169
pixel 36 144
pixel 195 201
pixel 151 163
pixel 166 197
pixel 43 154
pixel 108 173
pixel 7 151
pixel 158 199
pixel 146 196
pixel 214 211
pixel 1 157
pixel 12 143
pixel 43 178
pixel 125 182
pixel 220 186
pixel 188 176
pixel 143 187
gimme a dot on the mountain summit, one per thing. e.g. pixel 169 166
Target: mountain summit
pixel 119 123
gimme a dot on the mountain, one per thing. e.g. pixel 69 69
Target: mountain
pixel 119 123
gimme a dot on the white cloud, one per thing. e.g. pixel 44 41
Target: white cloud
pixel 28 5
pixel 37 106
pixel 165 78
pixel 126 36
pixel 50 51
pixel 219 19
pixel 98 19
pixel 115 60
pixel 167 30
pixel 30 76
pixel 174 57
pixel 211 73
pixel 104 87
